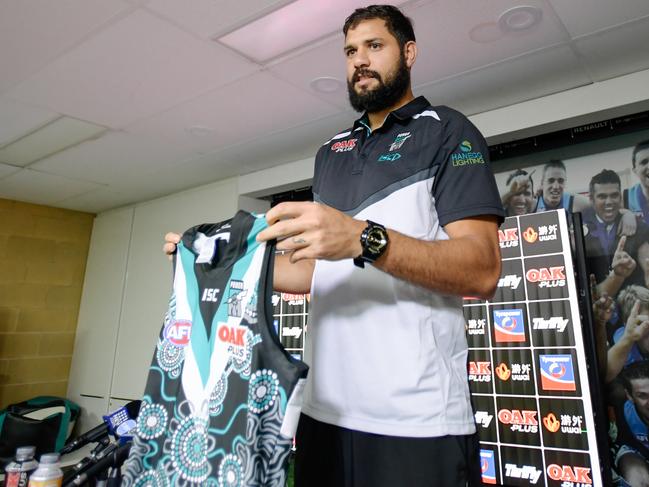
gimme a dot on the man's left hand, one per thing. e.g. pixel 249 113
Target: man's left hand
pixel 313 231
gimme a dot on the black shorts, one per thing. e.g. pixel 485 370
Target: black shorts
pixel 331 456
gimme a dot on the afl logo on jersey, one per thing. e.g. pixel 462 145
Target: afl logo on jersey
pixel 178 333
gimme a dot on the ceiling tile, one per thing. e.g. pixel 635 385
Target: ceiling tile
pixel 207 17
pixel 251 107
pixel 325 60
pixel 585 16
pixel 17 119
pixel 445 47
pixel 45 189
pixel 112 158
pixel 34 32
pixel 98 200
pixel 616 52
pixel 122 75
pixel 6 170
pixel 524 78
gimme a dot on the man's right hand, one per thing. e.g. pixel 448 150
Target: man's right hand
pixel 637 325
pixel 623 264
pixel 171 241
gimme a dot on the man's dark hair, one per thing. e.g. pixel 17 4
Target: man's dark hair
pixel 638 147
pixel 397 24
pixel 553 163
pixel 606 176
pixel 637 370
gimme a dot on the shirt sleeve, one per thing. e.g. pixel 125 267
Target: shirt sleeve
pixel 465 186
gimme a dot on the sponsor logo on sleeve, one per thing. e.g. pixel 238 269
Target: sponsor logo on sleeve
pixel 344 145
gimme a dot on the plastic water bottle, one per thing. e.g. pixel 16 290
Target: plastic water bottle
pixel 18 471
pixel 48 473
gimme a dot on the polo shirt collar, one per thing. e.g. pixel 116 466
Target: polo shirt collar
pixel 411 108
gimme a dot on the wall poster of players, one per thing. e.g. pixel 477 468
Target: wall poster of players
pixel 527 376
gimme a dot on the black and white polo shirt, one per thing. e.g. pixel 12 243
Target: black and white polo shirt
pixel 390 357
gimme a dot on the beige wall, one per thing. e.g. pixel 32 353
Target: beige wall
pixel 43 253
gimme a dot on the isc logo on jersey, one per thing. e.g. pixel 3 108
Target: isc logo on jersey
pixel 480 371
pixel 519 421
pixel 547 276
pixel 178 332
pixel 488 466
pixel 557 373
pixel 570 476
pixel 508 238
pixel 344 145
pixel 508 325
pixel 526 472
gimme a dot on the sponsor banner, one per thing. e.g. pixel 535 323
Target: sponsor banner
pixel 557 372
pixel 518 420
pixel 292 331
pixel 511 285
pixel 545 277
pixel 564 423
pixel 484 411
pixel 293 303
pixel 509 239
pixel 489 464
pixel 477 327
pixel 568 469
pixel 514 372
pixel 509 326
pixel 540 233
pixel 522 466
pixel 480 371
pixel 551 323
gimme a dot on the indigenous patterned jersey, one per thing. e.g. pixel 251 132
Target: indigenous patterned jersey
pixel 222 397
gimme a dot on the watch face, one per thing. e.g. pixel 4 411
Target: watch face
pixel 376 240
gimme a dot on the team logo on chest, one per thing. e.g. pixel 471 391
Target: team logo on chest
pixel 399 141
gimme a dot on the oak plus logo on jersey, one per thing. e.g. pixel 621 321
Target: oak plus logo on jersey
pixel 521 421
pixel 344 145
pixel 178 332
pixel 526 472
pixel 509 325
pixel 508 237
pixel 488 466
pixel 557 372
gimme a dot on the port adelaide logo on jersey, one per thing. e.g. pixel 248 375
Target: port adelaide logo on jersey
pixel 399 141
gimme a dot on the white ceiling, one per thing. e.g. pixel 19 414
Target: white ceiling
pixel 148 71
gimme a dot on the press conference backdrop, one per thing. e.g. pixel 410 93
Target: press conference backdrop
pixel 527 363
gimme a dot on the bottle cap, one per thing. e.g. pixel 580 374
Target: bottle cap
pixel 25 453
pixel 50 458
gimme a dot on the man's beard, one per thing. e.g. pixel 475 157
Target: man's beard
pixel 386 95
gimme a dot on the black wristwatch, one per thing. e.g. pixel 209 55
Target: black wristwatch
pixel 374 241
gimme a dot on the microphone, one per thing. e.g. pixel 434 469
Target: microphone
pixel 116 423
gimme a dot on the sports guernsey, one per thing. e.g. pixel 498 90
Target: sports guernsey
pixel 222 397
pixel 386 356
pixel 634 200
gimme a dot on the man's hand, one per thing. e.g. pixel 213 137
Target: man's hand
pixel 171 241
pixel 603 305
pixel 628 223
pixel 313 231
pixel 637 325
pixel 623 264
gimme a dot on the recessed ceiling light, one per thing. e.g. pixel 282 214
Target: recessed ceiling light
pixel 485 33
pixel 520 18
pixel 326 84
